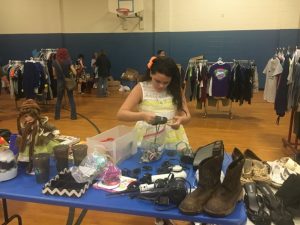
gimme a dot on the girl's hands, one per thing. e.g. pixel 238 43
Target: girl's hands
pixel 175 124
pixel 149 117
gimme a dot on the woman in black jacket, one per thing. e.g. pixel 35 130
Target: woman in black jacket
pixel 103 69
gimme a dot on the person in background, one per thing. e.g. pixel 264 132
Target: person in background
pixel 4 81
pixel 1 78
pixel 103 70
pixel 62 66
pixel 159 94
pixel 53 86
pixel 161 52
pixel 80 70
pixel 94 69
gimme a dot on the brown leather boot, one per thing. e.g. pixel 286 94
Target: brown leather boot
pixel 209 180
pixel 225 197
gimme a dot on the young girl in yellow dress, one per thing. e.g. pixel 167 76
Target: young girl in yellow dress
pixel 159 94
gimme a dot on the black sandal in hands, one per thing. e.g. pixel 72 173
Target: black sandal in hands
pixel 279 214
pixel 255 206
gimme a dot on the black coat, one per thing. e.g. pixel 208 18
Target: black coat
pixel 103 65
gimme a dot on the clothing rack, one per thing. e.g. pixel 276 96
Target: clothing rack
pixel 42 97
pixel 44 53
pixel 211 63
pixel 35 59
pixel 219 99
pixel 204 102
pixel 195 59
pixel 287 142
pixel 202 61
pixel 13 62
pixel 244 61
pixel 49 49
pixel 285 50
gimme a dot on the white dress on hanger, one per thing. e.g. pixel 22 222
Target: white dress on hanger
pixel 272 69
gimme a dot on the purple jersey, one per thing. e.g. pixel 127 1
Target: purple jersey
pixel 220 74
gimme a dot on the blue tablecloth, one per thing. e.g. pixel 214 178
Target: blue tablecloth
pixel 25 188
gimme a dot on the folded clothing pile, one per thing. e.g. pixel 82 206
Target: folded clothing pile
pixel 281 170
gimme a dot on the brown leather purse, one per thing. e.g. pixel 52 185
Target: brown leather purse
pixel 70 82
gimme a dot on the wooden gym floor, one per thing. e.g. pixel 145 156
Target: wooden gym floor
pixel 253 126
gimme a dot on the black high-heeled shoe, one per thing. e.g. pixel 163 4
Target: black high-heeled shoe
pixel 251 155
pixel 255 206
pixel 279 214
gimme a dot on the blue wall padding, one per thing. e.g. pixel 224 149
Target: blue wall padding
pixel 133 50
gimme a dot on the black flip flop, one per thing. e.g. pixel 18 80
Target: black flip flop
pixel 278 212
pixel 271 201
pixel 255 206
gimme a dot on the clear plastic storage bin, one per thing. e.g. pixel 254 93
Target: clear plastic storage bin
pixel 119 142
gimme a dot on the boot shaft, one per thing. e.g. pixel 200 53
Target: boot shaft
pixel 233 174
pixel 225 197
pixel 210 171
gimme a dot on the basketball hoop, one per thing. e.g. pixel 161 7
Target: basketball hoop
pixel 123 11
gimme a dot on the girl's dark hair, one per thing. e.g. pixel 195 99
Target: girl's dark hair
pixel 166 65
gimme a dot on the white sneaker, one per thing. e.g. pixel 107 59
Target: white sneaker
pixel 126 88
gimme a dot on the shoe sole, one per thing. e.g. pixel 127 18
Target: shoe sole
pixel 190 213
pixel 228 211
